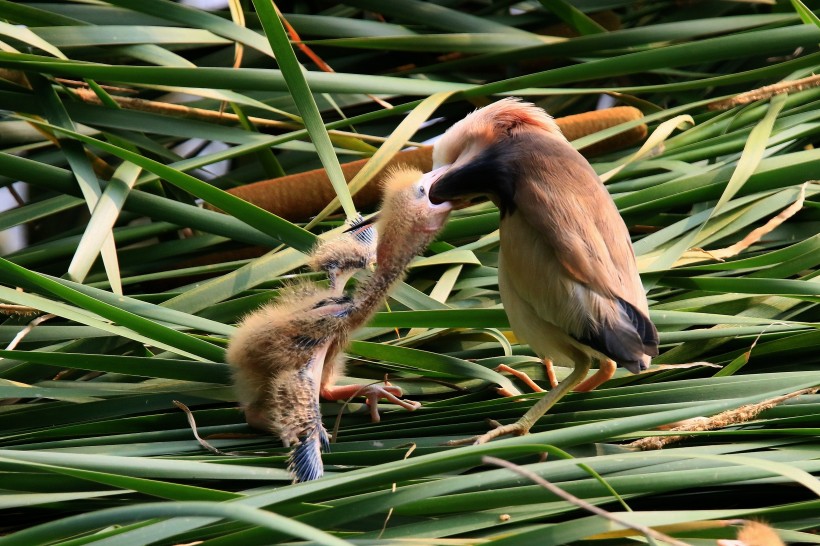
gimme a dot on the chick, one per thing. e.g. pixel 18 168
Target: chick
pixel 277 354
pixel 287 353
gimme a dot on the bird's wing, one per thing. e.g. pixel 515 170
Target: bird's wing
pixel 562 198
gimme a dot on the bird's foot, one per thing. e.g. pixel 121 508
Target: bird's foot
pixel 605 372
pixel 389 392
pixel 550 371
pixel 373 393
pixel 516 429
pixel 518 374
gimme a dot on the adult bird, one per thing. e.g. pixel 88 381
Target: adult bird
pixel 566 273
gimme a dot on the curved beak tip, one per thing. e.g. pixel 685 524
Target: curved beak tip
pixel 434 176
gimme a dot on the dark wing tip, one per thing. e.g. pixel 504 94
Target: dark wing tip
pixel 627 341
pixel 643 326
pixel 305 460
pixel 363 230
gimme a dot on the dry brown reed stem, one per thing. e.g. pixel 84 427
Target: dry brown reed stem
pixel 720 254
pixel 318 61
pixel 8 309
pixel 766 92
pixel 555 490
pixel 179 110
pixel 737 416
pixel 201 114
pixel 299 196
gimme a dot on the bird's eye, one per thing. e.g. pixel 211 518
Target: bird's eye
pixel 421 191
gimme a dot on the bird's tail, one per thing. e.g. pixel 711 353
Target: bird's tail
pixel 305 461
pixel 302 417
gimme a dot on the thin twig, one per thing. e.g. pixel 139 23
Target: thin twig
pixel 17 339
pixel 318 61
pixel 27 330
pixel 192 424
pixel 647 531
pixel 699 254
pixel 16 196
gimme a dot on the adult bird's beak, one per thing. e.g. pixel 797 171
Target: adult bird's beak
pixel 428 180
pixel 487 172
pixel 439 192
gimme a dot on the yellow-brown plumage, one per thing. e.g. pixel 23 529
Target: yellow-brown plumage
pixel 277 354
pixel 407 223
pixel 343 256
pixel 567 272
pixel 284 354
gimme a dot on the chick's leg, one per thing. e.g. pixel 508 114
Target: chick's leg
pixel 373 393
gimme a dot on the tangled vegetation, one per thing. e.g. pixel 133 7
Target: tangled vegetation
pixel 119 114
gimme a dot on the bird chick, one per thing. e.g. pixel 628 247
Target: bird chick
pixel 277 354
pixel 567 273
pixel 341 258
pixel 287 353
pixel 406 224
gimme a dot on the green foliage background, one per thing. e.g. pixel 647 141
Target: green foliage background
pixel 92 449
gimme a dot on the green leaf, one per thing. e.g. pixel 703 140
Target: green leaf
pixel 302 96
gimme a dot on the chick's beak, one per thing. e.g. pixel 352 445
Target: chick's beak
pixel 439 209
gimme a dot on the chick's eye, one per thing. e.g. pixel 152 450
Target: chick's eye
pixel 421 191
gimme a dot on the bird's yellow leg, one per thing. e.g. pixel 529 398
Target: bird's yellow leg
pixel 523 425
pixel 604 374
pixel 520 375
pixel 550 371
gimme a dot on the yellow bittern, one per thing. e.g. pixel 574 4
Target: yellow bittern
pixel 566 273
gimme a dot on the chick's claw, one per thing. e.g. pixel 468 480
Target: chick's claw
pixel 374 393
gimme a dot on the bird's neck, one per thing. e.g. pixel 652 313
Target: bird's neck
pixel 371 293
